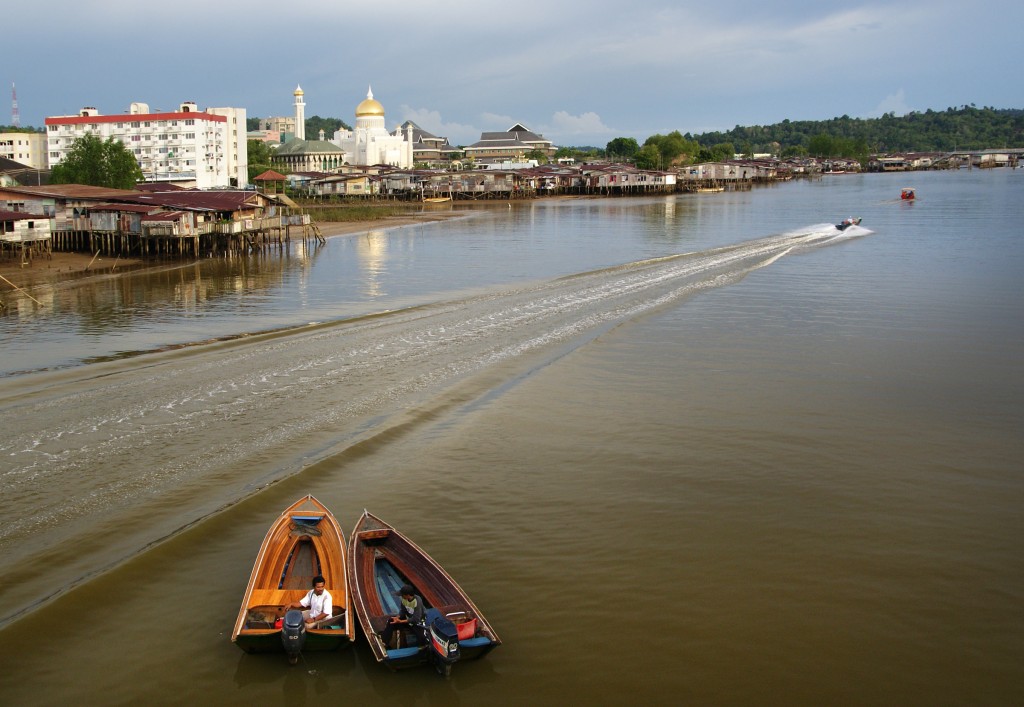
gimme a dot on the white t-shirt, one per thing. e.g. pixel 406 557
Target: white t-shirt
pixel 317 603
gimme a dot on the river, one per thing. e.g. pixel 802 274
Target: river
pixel 697 449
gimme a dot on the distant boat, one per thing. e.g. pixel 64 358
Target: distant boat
pixel 436 199
pixel 847 222
pixel 382 560
pixel 908 193
pixel 304 541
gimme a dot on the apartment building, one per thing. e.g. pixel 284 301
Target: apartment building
pixel 187 147
pixel 27 148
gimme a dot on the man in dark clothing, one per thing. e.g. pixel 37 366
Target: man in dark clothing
pixel 410 615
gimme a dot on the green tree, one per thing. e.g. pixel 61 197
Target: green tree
pixel 624 147
pixel 259 157
pixel 674 148
pixel 539 155
pixel 315 124
pixel 648 157
pixel 98 163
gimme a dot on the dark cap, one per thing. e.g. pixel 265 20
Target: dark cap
pixel 406 590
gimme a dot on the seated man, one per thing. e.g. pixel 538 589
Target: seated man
pixel 411 614
pixel 317 604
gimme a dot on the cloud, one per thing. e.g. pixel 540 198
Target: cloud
pixel 568 129
pixel 894 103
pixel 495 122
pixel 432 122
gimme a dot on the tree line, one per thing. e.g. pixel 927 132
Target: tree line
pixel 963 128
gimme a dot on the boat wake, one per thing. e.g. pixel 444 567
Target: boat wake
pixel 151 444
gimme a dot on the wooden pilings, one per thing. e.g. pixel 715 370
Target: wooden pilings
pixel 116 243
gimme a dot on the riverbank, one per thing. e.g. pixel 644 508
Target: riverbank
pixel 58 267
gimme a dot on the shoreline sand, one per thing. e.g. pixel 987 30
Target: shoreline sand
pixel 59 267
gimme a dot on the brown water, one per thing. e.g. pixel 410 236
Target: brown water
pixel 782 473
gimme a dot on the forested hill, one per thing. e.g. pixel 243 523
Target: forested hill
pixel 966 127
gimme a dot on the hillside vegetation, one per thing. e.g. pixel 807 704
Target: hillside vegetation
pixel 964 128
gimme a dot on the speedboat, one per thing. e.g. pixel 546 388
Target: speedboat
pixel 847 222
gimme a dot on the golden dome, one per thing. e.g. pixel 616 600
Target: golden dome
pixel 298 91
pixel 369 107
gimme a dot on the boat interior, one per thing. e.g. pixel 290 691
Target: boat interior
pixel 288 573
pixel 387 563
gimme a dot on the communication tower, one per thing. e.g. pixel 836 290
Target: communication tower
pixel 15 118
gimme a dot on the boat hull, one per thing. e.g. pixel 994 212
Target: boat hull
pixel 254 642
pixel 381 560
pixel 304 541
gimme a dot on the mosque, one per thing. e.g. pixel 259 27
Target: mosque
pixel 368 143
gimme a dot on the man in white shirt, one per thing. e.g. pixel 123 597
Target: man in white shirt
pixel 317 604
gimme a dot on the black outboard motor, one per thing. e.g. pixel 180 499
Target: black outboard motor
pixel 442 641
pixel 293 634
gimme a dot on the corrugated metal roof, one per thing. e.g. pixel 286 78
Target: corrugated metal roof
pixel 162 216
pixel 132 208
pixel 18 216
pixel 75 191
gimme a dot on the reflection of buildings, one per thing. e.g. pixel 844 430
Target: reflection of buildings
pixel 372 250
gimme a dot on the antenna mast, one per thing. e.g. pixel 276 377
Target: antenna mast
pixel 15 118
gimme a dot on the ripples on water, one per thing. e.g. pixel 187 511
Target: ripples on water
pixel 312 390
pixel 746 467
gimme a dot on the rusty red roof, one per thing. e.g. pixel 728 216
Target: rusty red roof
pixel 133 208
pixel 269 176
pixel 160 216
pixel 18 216
pixel 74 191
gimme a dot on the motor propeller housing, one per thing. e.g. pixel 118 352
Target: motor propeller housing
pixel 293 634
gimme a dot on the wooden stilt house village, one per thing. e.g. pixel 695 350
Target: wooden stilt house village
pixel 163 220
pixel 179 222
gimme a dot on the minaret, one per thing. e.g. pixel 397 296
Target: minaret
pixel 300 114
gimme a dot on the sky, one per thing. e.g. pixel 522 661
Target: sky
pixel 578 72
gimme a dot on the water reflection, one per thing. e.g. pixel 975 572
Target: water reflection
pixel 79 317
pixel 372 251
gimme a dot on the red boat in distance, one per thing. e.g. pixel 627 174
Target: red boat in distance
pixel 907 194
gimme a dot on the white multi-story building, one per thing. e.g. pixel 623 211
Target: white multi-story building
pixel 27 148
pixel 189 147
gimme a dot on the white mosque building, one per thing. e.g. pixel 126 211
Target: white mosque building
pixel 370 143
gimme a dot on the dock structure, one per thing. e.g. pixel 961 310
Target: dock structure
pixel 24 236
pixel 180 223
pixel 173 234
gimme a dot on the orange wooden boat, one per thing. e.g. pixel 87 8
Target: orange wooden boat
pixel 304 541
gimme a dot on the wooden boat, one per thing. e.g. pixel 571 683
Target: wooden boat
pixel 437 199
pixel 381 560
pixel 304 541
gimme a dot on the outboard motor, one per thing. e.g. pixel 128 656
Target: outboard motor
pixel 442 641
pixel 293 634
